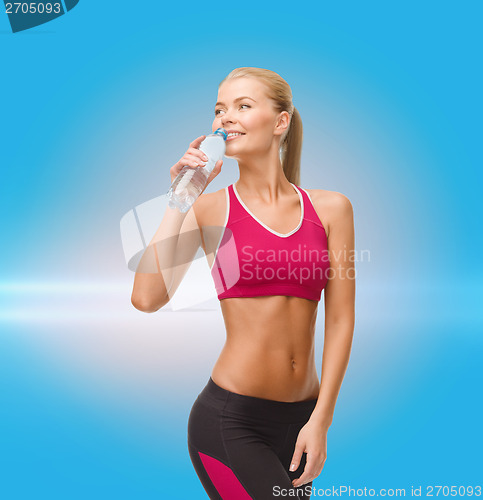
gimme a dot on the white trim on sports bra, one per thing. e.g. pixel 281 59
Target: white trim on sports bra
pixel 276 233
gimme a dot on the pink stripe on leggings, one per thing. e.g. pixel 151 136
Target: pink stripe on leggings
pixel 224 479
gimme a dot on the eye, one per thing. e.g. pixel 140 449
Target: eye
pixel 247 105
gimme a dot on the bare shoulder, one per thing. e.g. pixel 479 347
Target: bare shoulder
pixel 331 206
pixel 210 208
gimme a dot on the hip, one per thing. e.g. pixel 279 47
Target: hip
pixel 219 402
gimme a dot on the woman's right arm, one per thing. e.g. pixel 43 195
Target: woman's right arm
pixel 173 247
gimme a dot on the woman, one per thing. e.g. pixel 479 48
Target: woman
pixel 258 429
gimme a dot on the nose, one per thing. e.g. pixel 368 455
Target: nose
pixel 226 118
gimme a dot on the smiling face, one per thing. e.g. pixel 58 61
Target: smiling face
pixel 244 106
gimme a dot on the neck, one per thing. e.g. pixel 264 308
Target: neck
pixel 263 178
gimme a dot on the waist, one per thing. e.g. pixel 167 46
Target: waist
pixel 267 409
pixel 269 373
pixel 269 350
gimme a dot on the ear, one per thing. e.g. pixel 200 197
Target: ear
pixel 283 123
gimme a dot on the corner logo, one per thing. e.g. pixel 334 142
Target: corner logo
pixel 26 15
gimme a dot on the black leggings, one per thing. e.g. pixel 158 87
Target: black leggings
pixel 241 446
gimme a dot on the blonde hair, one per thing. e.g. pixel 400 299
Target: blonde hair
pixel 279 91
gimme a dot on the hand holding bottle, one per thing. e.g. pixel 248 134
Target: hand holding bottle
pixel 195 158
pixel 196 169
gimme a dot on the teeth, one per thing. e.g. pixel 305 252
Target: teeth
pixel 234 133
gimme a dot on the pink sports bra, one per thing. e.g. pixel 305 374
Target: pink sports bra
pixel 253 260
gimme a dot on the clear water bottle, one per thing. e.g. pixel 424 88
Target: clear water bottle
pixel 191 181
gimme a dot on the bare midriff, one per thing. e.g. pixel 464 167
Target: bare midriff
pixel 270 340
pixel 269 348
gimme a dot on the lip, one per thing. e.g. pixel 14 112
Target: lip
pixel 234 137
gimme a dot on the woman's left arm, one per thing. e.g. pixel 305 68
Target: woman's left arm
pixel 339 299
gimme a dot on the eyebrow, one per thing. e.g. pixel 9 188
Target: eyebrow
pixel 237 99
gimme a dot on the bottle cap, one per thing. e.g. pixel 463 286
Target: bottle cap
pixel 222 132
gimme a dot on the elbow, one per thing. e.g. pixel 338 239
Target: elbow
pixel 346 322
pixel 146 305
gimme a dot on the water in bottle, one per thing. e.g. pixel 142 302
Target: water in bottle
pixel 191 181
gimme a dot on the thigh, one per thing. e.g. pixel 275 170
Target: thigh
pixel 204 439
pixel 234 460
pixel 208 454
pixel 202 472
pixel 254 449
pixel 287 452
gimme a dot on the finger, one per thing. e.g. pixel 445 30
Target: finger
pixel 192 161
pixel 306 477
pixel 296 457
pixel 303 479
pixel 217 167
pixel 198 153
pixel 311 471
pixel 216 170
pixel 197 141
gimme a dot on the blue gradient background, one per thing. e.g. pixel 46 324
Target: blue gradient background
pixel 96 107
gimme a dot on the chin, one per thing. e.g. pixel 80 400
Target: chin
pixel 240 154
